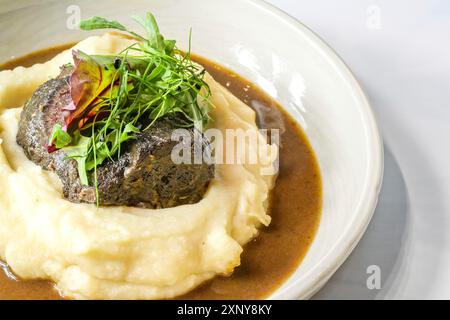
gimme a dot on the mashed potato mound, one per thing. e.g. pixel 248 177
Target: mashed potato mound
pixel 123 252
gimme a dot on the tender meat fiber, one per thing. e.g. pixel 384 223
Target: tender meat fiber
pixel 143 176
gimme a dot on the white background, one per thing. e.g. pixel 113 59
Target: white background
pixel 400 52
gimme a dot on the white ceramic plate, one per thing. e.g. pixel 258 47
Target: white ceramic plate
pixel 284 58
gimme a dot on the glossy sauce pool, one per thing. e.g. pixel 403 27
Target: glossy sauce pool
pixel 296 200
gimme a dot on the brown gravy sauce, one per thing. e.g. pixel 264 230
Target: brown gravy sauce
pixel 296 203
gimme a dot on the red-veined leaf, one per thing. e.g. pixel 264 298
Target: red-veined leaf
pixel 88 80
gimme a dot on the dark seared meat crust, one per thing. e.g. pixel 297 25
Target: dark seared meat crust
pixel 143 176
pixel 40 114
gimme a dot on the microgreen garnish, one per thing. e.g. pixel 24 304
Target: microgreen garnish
pixel 116 97
pixel 59 137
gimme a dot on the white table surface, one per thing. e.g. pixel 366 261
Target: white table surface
pixel 400 52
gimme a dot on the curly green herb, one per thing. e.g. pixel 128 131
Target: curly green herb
pixel 116 97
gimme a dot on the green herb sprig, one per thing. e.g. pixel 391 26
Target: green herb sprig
pixel 149 80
